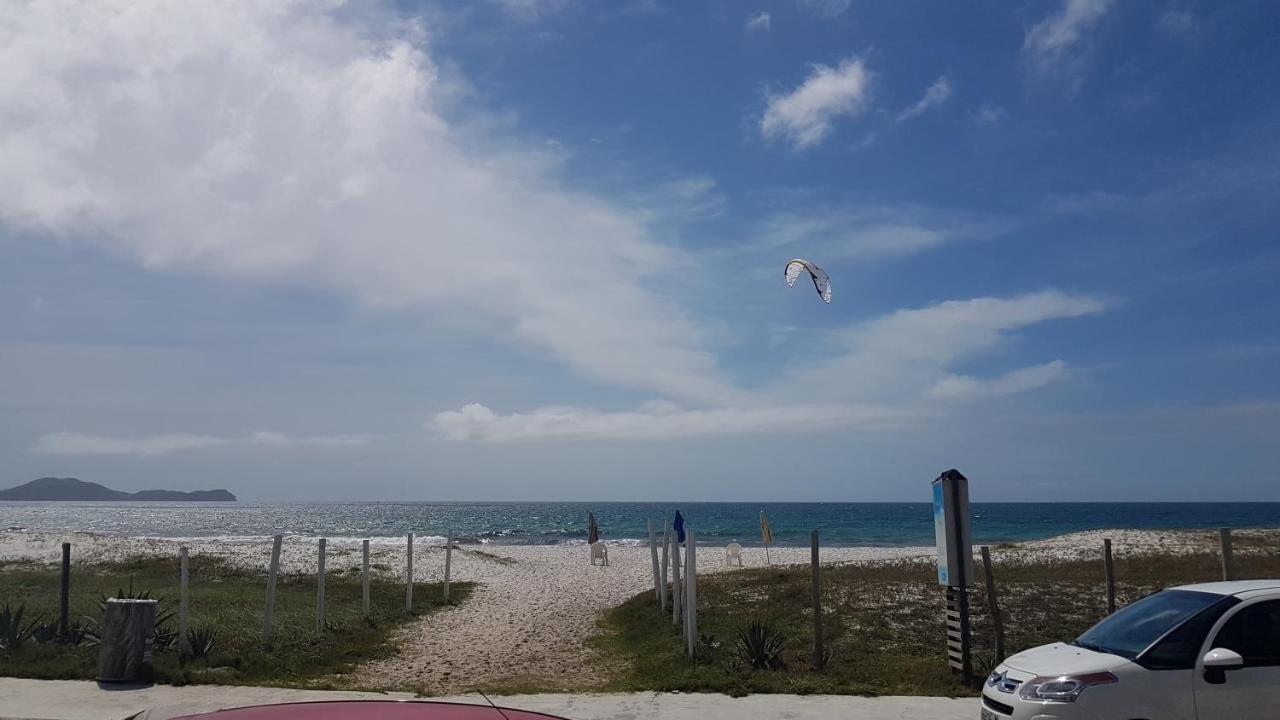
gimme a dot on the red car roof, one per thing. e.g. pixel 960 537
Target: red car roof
pixel 371 710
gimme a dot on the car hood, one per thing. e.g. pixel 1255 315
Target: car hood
pixel 1062 659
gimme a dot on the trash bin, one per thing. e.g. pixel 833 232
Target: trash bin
pixel 125 636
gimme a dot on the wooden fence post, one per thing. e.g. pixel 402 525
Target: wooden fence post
pixel 818 654
pixel 1110 566
pixel 653 554
pixel 1228 567
pixel 666 549
pixel 677 591
pixel 364 578
pixel 271 589
pixel 448 561
pixel 64 597
pixel 691 584
pixel 408 574
pixel 997 622
pixel 320 590
pixel 183 647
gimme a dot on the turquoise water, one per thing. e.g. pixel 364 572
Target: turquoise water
pixel 882 524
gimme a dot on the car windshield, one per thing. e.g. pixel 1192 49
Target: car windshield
pixel 1131 630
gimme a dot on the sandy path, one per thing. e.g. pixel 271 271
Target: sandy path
pixel 531 619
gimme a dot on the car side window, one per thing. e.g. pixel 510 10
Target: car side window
pixel 1254 632
pixel 1180 649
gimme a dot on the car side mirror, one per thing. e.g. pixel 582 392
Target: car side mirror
pixel 1223 659
pixel 1217 662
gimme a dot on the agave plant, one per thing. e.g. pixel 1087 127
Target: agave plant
pixel 163 637
pixel 50 633
pixel 13 633
pixel 200 641
pixel 760 646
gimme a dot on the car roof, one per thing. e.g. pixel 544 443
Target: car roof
pixel 1232 587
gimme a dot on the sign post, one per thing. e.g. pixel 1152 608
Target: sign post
pixel 955 564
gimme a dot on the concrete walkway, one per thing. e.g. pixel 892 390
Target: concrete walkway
pixel 80 700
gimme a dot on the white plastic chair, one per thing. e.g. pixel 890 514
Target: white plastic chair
pixel 733 551
pixel 599 551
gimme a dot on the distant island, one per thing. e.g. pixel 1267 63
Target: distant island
pixel 71 489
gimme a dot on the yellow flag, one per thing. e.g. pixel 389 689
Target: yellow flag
pixel 766 533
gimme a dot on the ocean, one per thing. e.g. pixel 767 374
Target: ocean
pixel 532 523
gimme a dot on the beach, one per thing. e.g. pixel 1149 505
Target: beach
pixel 535 607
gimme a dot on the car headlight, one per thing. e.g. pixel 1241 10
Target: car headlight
pixel 1064 688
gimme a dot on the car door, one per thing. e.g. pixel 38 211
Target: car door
pixel 1252 692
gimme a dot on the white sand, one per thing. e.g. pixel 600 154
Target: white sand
pixel 536 606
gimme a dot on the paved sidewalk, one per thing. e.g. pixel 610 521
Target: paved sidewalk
pixel 81 700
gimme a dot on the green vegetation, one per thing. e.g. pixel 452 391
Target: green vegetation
pixel 225 624
pixel 883 623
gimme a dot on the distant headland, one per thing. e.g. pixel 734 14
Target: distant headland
pixel 71 489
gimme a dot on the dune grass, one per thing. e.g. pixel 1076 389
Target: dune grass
pixel 883 622
pixel 229 603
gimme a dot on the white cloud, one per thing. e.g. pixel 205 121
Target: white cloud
pixel 804 116
pixel 1176 22
pixel 964 387
pixel 271 141
pixel 531 10
pixel 935 95
pixel 477 422
pixel 897 358
pixel 888 372
pixel 988 115
pixel 276 439
pixel 866 233
pixel 826 8
pixel 1048 39
pixel 66 443
pixel 760 21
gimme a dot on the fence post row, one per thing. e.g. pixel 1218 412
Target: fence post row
pixel 653 553
pixel 1109 565
pixel 64 597
pixel 408 574
pixel 817 601
pixel 666 549
pixel 1228 568
pixel 448 558
pixel 997 622
pixel 183 645
pixel 677 591
pixel 364 578
pixel 271 589
pixel 320 589
pixel 691 583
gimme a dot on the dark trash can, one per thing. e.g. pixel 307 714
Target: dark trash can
pixel 126 633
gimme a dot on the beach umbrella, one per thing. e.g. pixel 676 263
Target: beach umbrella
pixel 679 527
pixel 766 535
pixel 593 530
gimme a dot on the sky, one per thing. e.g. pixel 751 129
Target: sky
pixel 533 249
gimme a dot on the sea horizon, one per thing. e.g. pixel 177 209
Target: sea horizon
pixel 871 524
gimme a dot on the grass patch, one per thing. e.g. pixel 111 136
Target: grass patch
pixel 228 603
pixel 882 622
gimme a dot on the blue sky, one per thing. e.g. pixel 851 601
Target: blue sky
pixel 532 249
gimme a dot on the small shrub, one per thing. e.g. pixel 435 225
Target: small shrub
pixel 50 634
pixel 200 641
pixel 760 646
pixel 13 633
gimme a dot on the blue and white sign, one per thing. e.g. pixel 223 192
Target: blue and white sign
pixel 951 529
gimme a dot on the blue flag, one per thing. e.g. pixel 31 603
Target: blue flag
pixel 679 526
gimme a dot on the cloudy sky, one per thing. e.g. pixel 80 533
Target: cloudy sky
pixel 533 249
